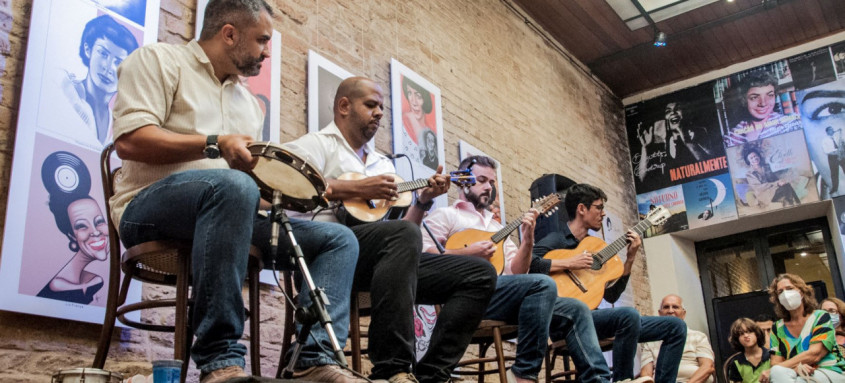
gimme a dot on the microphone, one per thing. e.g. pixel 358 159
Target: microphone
pixel 395 156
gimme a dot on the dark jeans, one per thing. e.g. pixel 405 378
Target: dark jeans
pixel 216 209
pixel 629 329
pixel 392 269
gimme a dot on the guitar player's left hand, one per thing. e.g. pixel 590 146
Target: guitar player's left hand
pixel 634 243
pixel 529 219
pixel 438 184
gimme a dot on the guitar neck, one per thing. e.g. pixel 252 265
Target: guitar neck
pixel 506 231
pixel 411 185
pixel 620 243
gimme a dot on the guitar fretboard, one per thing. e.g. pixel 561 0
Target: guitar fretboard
pixel 411 185
pixel 506 231
pixel 620 243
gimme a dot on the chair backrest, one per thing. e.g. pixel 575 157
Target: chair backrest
pixel 727 365
pixel 107 174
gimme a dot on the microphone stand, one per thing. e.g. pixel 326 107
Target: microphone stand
pixel 306 316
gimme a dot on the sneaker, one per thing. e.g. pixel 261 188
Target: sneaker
pixel 642 379
pixel 223 374
pixel 329 373
pixel 403 377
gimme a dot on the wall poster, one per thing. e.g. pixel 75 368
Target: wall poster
pixel 56 252
pixel 417 125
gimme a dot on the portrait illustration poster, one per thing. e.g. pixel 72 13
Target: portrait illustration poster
pixel 823 119
pixel 710 201
pixel 417 125
pixel 839 209
pixel 266 86
pixel 674 139
pixel 465 149
pixel 50 267
pixel 771 174
pixel 756 103
pixel 837 51
pixel 672 198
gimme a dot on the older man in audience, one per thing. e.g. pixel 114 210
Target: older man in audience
pixel 697 361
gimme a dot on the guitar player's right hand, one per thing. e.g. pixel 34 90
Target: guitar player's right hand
pixel 484 249
pixel 378 187
pixel 581 261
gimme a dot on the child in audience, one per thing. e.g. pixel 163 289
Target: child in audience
pixel 747 338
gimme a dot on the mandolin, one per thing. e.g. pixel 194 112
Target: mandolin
pixel 587 285
pixel 546 206
pixel 355 211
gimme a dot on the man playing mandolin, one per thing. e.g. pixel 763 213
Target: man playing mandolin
pixel 390 264
pixel 585 207
pixel 525 299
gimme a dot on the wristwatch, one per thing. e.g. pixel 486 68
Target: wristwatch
pixel 424 206
pixel 211 149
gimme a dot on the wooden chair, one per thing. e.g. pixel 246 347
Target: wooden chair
pixel 568 374
pixel 727 365
pixel 359 306
pixel 166 262
pixel 490 333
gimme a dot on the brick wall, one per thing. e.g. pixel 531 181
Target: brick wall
pixel 505 90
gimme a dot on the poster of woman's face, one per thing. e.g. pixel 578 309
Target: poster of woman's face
pixel 757 104
pixel 823 118
pixel 55 260
pixel 771 174
pixel 417 124
pixel 79 76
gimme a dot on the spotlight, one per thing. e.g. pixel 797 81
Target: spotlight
pixel 659 39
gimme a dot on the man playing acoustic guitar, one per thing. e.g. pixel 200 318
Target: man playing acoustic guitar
pixel 585 206
pixel 390 264
pixel 521 298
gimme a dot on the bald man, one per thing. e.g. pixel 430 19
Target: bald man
pixel 390 264
pixel 697 360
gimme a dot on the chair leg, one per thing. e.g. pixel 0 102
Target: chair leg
pixel 550 365
pixel 355 333
pixel 181 331
pixel 254 321
pixel 110 317
pixel 290 326
pixel 500 354
pixel 482 367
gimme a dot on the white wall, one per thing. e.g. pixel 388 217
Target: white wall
pixel 673 269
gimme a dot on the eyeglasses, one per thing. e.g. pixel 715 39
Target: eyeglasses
pixel 599 206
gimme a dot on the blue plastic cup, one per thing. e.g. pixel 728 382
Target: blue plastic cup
pixel 167 371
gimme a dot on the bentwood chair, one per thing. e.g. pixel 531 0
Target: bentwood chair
pixel 559 349
pixel 489 333
pixel 166 262
pixel 727 365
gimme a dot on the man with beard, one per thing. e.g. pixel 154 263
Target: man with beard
pixel 390 265
pixel 527 300
pixel 585 206
pixel 183 120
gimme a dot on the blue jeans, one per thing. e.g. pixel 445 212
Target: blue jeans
pixel 526 300
pixel 629 329
pixel 216 209
pixel 573 322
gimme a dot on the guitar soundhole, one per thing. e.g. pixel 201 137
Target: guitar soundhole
pixel 596 264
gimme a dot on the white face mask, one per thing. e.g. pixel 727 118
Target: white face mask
pixel 834 319
pixel 790 299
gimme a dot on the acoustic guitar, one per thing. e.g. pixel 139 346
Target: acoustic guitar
pixel 587 285
pixel 546 206
pixel 355 211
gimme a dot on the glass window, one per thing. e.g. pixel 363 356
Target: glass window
pixel 803 253
pixel 733 269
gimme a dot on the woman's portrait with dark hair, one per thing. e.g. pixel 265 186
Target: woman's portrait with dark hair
pixel 81 222
pixel 81 107
pixel 757 109
pixel 417 119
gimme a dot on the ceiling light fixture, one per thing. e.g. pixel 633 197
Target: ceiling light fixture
pixel 659 38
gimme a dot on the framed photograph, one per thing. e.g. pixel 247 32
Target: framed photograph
pixel 498 207
pixel 324 77
pixel 52 267
pixel 417 125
